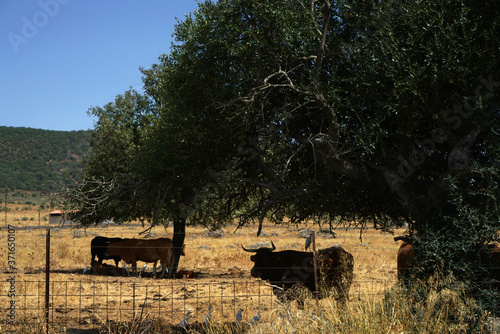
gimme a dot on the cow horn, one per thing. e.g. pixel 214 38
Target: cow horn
pixel 255 250
pixel 403 238
pixel 249 250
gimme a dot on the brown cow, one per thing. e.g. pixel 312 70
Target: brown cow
pixel 492 262
pixel 100 268
pixel 146 250
pixel 171 260
pixel 406 254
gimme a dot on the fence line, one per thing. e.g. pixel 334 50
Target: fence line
pixel 84 304
pixel 91 303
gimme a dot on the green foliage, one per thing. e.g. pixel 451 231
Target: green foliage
pixel 359 127
pixel 365 113
pixel 36 160
pixel 109 188
pixel 447 140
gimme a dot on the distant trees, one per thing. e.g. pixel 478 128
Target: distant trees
pixel 361 114
pixel 36 160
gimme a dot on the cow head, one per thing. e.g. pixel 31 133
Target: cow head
pixel 95 264
pixel 264 262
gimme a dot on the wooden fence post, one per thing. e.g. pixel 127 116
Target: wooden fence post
pixel 133 301
pixel 6 208
pixel 47 279
pixel 315 266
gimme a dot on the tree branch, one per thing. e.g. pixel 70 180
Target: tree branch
pixel 320 52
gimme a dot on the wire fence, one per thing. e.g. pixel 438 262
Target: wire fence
pixel 78 303
pixel 85 301
pixel 93 303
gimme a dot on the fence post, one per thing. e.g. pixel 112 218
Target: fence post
pixel 6 208
pixel 315 266
pixel 47 279
pixel 133 301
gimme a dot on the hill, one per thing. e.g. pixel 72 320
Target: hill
pixel 35 159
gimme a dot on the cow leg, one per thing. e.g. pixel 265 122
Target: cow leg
pixel 116 262
pixel 164 267
pixel 92 265
pixel 134 268
pixel 170 263
pixel 154 267
pixel 92 262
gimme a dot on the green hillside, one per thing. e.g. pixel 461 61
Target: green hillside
pixel 35 160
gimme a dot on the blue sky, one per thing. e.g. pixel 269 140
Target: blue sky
pixel 58 58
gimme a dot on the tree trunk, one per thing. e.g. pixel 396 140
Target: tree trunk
pixel 178 241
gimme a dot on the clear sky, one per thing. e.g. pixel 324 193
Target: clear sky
pixel 58 58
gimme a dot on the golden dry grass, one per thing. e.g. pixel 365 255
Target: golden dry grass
pixel 224 269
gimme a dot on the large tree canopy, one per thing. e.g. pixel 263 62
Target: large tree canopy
pixel 365 113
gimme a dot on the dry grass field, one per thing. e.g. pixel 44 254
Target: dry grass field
pixel 221 267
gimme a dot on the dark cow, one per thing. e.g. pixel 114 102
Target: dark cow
pixel 287 269
pixel 98 248
pixel 146 250
pixel 406 254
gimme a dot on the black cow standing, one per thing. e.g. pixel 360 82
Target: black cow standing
pixel 285 270
pixel 99 246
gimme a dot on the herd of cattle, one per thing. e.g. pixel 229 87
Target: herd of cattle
pixel 331 268
pixel 131 251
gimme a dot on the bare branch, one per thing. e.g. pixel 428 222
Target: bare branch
pixel 271 187
pixel 322 47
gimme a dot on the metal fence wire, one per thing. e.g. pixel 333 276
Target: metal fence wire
pixel 77 303
pixel 98 299
pixel 93 303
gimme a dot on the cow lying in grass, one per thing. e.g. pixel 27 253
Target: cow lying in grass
pixel 108 270
pixel 146 250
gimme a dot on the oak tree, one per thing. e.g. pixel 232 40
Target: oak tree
pixel 367 114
